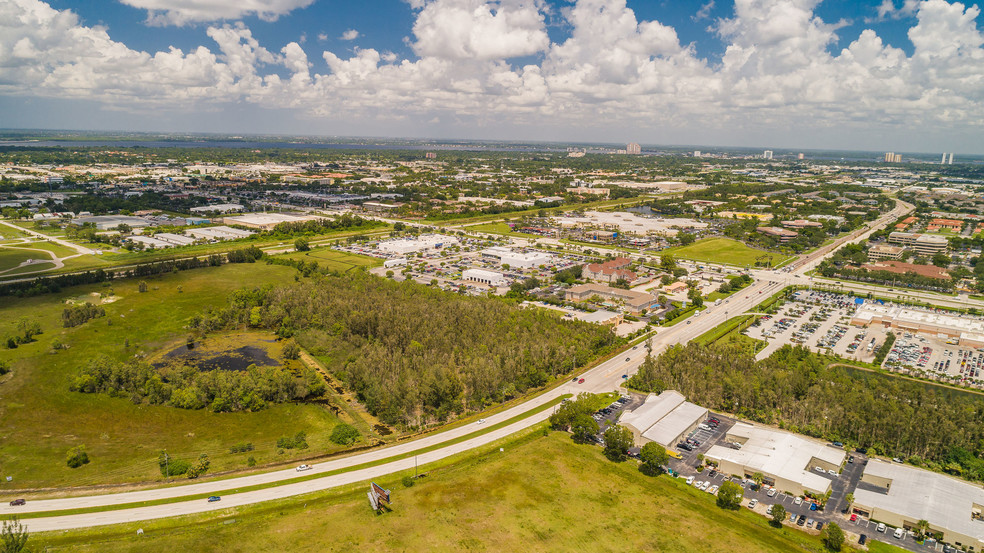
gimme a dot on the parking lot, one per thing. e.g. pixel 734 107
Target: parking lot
pixel 933 357
pixel 819 321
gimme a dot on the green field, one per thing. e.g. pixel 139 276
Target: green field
pixel 541 493
pixel 724 250
pixel 498 228
pixel 10 258
pixel 334 259
pixel 40 419
pixel 54 247
pixel 882 547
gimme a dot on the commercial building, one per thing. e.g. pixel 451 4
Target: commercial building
pixel 266 221
pixel 218 233
pixel 633 302
pixel 968 331
pixel 397 262
pixel 952 225
pixel 609 271
pixel 601 316
pixel 424 242
pixel 517 260
pixel 218 208
pixel 782 234
pixel 901 496
pixel 802 223
pixel 109 222
pixel 491 278
pixel 883 251
pixel 665 419
pixel 922 244
pixel 767 154
pixel 928 271
pixel 787 461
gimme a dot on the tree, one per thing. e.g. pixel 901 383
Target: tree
pixel 667 263
pixel 653 456
pixel 344 434
pixel 142 287
pixel 291 350
pixel 583 427
pixel 833 537
pixel 940 259
pixel 618 440
pixel 13 537
pixel 200 467
pixel 922 528
pixel 695 298
pixel 778 515
pixel 758 478
pixel 849 499
pixel 729 496
pixel 301 245
pixel 77 457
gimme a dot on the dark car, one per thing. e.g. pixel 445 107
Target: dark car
pixel 214 498
pixel 801 520
pixel 17 502
pixel 862 450
pixel 820 525
pixel 627 359
pixel 862 539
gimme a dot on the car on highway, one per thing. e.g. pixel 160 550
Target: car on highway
pixel 214 498
pixel 301 468
pixel 17 502
pixel 580 381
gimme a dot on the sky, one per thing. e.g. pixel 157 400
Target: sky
pixel 893 75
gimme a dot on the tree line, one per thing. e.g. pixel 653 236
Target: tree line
pixel 932 426
pixel 411 353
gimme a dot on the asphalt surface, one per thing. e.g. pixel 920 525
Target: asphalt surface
pixel 605 377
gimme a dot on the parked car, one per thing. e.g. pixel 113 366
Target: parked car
pixel 771 492
pixel 214 498
pixel 690 480
pixel 880 527
pixel 801 521
pixel 753 503
pixel 819 525
pixel 854 517
pixel 309 467
pixel 862 539
pixel 899 533
pixel 17 502
pixel 798 501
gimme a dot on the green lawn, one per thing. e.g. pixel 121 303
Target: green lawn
pixel 334 259
pixel 54 247
pixel 40 419
pixel 498 228
pixel 539 493
pixel 10 258
pixel 882 547
pixel 724 250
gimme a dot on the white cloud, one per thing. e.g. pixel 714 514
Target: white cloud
pixel 613 71
pixel 705 11
pixel 322 36
pixel 350 34
pixel 183 12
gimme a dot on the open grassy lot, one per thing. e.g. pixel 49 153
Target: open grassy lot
pixel 882 547
pixel 724 250
pixel 40 418
pixel 335 260
pixel 541 493
pixel 10 258
pixel 498 228
pixel 58 249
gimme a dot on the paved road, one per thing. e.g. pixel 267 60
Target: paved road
pixel 605 377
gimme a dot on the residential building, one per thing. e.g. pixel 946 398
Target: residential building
pixel 767 154
pixel 952 225
pixel 609 271
pixel 633 149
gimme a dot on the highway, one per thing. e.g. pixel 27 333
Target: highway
pixel 605 377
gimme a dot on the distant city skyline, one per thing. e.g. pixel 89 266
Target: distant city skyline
pixel 889 75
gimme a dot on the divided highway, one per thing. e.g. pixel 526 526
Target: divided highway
pixel 605 377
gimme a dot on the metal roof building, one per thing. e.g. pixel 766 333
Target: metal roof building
pixel 663 419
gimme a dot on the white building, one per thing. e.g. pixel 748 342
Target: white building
pixel 398 262
pixel 425 242
pixel 788 461
pixel 901 496
pixel 217 208
pixel 517 260
pixel 767 154
pixel 218 233
pixel 665 419
pixel 491 278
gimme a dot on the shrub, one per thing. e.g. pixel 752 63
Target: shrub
pixel 344 434
pixel 241 447
pixel 4 367
pixel 77 457
pixel 200 467
pixel 291 350
pixel 407 482
pixel 299 441
pixel 172 467
pixel 251 462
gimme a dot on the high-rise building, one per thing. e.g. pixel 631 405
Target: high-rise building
pixel 943 161
pixel 889 157
pixel 898 158
pixel 767 154
pixel 800 156
pixel 696 153
pixel 951 158
pixel 633 148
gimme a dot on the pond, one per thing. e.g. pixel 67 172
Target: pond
pixel 238 359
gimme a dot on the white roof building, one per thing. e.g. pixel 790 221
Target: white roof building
pixel 786 460
pixel 518 260
pixel 217 208
pixel 403 246
pixel 491 278
pixel 221 232
pixel 663 419
pixel 905 495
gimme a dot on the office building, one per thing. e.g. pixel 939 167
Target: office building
pixel 767 154
pixel 633 149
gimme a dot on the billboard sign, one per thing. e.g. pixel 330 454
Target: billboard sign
pixel 373 501
pixel 382 494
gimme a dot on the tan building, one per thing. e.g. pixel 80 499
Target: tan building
pixel 922 244
pixel 634 302
pixel 969 331
pixel 782 234
pixel 610 271
pixel 882 251
pixel 802 223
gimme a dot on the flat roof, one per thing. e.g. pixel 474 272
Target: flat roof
pixel 482 273
pixel 599 316
pixel 676 422
pixel 913 317
pixel 780 454
pixel 655 408
pixel 919 494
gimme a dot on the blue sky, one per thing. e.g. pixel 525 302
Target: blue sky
pixel 650 71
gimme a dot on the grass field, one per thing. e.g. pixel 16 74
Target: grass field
pixel 498 228
pixel 334 259
pixel 882 547
pixel 40 419
pixel 724 250
pixel 541 493
pixel 10 258
pixel 58 249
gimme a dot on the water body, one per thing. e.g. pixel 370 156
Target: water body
pixel 238 359
pixel 260 145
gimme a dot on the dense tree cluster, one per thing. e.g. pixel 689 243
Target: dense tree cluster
pixel 412 353
pixel 187 387
pixel 75 315
pixel 323 225
pixel 930 425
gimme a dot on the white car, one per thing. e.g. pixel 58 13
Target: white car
pixel 899 533
pixel 819 469
pixel 772 492
pixel 832 472
pixel 799 501
pixel 769 510
pixel 880 527
pixel 705 485
pixel 690 480
pixel 753 503
pixel 303 468
pixel 712 490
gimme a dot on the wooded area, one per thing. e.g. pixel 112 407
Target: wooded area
pixel 795 389
pixel 411 353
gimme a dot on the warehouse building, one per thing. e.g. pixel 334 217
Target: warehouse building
pixel 968 331
pixel 517 260
pixel 901 496
pixel 666 419
pixel 110 222
pixel 788 461
pixel 425 242
pixel 266 221
pixel 218 233
pixel 491 278
pixel 218 208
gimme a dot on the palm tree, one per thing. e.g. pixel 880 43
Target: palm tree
pixel 922 528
